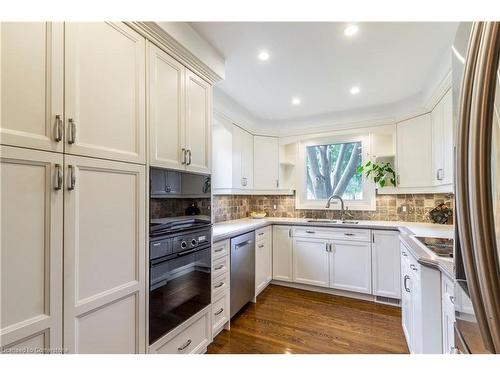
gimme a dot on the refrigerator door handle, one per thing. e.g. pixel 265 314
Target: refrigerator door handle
pixel 480 182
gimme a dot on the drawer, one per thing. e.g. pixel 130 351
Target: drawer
pixel 353 234
pixel 220 283
pixel 220 312
pixel 220 266
pixel 190 340
pixel 221 248
pixel 262 233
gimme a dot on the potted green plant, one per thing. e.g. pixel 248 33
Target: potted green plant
pixel 382 173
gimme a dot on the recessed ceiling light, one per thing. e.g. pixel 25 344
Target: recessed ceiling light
pixel 295 100
pixel 351 30
pixel 263 55
pixel 354 90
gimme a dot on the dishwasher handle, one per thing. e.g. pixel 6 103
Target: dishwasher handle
pixel 238 245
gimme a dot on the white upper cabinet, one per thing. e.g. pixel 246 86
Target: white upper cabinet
pixel 105 91
pixel 198 123
pixel 31 85
pixel 442 141
pixel 242 155
pixel 166 110
pixel 32 249
pixel 222 162
pixel 386 264
pixel 414 152
pixel 266 163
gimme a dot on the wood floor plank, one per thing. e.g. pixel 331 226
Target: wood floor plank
pixel 293 321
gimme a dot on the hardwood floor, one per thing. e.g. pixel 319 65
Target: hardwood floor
pixel 292 321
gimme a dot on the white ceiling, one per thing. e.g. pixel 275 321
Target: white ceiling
pixel 390 62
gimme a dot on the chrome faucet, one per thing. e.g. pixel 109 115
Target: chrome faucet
pixel 342 210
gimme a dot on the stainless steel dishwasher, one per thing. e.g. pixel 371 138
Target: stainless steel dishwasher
pixel 242 271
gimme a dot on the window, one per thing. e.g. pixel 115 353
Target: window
pixel 329 167
pixel 332 169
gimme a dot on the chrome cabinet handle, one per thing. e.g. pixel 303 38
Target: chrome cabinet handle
pixel 71 131
pixel 406 278
pixel 349 234
pixel 59 177
pixel 260 234
pixel 452 299
pixel 404 254
pixel 331 247
pixel 219 312
pixel 439 174
pixel 398 180
pixel 290 232
pixel 310 231
pixel 219 285
pixel 58 128
pixel 72 177
pixel 218 250
pixel 261 246
pixel 413 267
pixel 185 345
pixel 248 242
pixel 219 267
pixel 188 151
pixel 277 183
pixel 183 150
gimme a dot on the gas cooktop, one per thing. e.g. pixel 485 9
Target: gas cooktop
pixel 442 247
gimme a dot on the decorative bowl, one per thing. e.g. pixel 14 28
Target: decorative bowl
pixel 257 215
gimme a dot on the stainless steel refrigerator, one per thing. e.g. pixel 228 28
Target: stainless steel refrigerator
pixel 476 98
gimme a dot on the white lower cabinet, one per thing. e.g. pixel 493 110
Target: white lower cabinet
pixel 448 314
pixel 421 305
pixel 263 259
pixel 282 253
pixel 104 256
pixel 221 292
pixel 191 337
pixel 311 261
pixel 350 266
pixel 386 274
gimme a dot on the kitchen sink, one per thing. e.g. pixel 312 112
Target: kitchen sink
pixel 332 221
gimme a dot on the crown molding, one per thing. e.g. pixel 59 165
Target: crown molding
pixel 155 34
pixel 438 92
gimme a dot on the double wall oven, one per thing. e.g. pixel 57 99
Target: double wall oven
pixel 179 249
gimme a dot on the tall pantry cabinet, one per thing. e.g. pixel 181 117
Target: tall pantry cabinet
pixel 73 183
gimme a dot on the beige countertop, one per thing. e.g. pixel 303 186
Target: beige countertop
pixel 408 231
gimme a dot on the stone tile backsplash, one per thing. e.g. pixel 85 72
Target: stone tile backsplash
pixel 230 207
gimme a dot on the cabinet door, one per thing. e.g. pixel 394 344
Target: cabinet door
pixel 282 253
pixel 222 162
pixel 31 85
pixel 266 163
pixel 166 110
pixel 414 148
pixel 247 160
pixel 237 157
pixel 406 308
pixel 31 256
pixel 104 91
pixel 350 266
pixel 448 314
pixel 104 257
pixel 448 163
pixel 310 261
pixel 198 123
pixel 386 275
pixel 437 144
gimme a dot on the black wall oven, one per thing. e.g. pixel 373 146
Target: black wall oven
pixel 179 249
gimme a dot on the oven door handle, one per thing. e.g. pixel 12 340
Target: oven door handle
pixel 187 252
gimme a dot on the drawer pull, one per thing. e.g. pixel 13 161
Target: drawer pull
pixel 219 267
pixel 349 234
pixel 452 299
pixel 413 267
pixel 185 345
pixel 310 231
pixel 218 250
pixel 261 246
pixel 219 285
pixel 404 254
pixel 260 234
pixel 219 312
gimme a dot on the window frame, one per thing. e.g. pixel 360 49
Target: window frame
pixel 368 203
